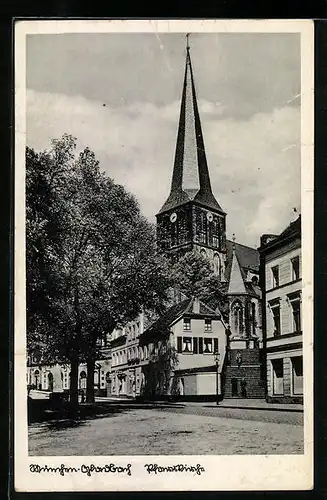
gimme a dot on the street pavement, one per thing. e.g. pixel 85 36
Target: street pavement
pixel 171 430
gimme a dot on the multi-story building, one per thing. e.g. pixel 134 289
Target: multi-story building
pixel 127 359
pixel 281 284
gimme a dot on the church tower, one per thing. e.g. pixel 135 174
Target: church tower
pixel 191 218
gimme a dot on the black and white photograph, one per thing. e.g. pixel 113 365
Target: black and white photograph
pixel 163 269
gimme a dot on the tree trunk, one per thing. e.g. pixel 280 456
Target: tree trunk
pixel 74 382
pixel 90 381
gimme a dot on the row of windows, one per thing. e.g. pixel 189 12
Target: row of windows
pixel 295 272
pixel 187 324
pixel 197 345
pixel 295 309
pixel 278 376
pixel 125 355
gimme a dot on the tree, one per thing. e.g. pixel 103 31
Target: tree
pixel 193 276
pixel 162 363
pixel 91 258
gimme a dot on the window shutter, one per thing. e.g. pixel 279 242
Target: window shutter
pixel 215 345
pixel 179 344
pixel 195 345
pixel 200 345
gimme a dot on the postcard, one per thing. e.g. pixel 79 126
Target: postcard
pixel 163 288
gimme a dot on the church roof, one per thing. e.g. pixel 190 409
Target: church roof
pixel 248 257
pixel 190 180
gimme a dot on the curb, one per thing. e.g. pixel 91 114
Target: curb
pixel 294 410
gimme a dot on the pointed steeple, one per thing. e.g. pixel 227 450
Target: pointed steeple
pixel 236 282
pixel 190 180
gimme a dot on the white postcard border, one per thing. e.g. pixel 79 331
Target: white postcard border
pixel 266 472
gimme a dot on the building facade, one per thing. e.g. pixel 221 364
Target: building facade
pixel 56 377
pixel 281 271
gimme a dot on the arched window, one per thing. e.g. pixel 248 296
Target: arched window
pixel 50 381
pixel 237 316
pixel 216 265
pixel 82 380
pixel 145 352
pixel 141 354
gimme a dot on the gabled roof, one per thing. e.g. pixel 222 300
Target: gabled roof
pixel 190 180
pixel 182 309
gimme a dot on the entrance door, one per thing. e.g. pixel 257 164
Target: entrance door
pixel 235 391
pixel 239 387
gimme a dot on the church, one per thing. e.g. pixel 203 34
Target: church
pixel 216 354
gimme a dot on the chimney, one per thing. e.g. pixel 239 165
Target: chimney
pixel 196 305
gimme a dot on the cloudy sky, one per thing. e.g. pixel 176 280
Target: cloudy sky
pixel 119 94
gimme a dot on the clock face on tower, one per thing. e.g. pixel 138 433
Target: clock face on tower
pixel 209 216
pixel 173 217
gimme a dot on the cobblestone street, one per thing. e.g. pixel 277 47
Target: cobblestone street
pixel 171 431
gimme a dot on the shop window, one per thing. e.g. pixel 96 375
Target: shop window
pixel 297 374
pixel 278 376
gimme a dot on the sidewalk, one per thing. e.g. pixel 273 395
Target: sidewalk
pixel 242 404
pixel 253 404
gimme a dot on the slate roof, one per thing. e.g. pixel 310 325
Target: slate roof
pixel 248 257
pixel 190 180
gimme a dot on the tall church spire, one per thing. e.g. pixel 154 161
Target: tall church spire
pixel 190 180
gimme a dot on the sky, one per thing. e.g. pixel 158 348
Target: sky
pixel 119 94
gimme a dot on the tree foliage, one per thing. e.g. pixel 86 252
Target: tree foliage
pixel 90 254
pixel 192 275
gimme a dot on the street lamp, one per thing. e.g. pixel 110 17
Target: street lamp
pixel 216 356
